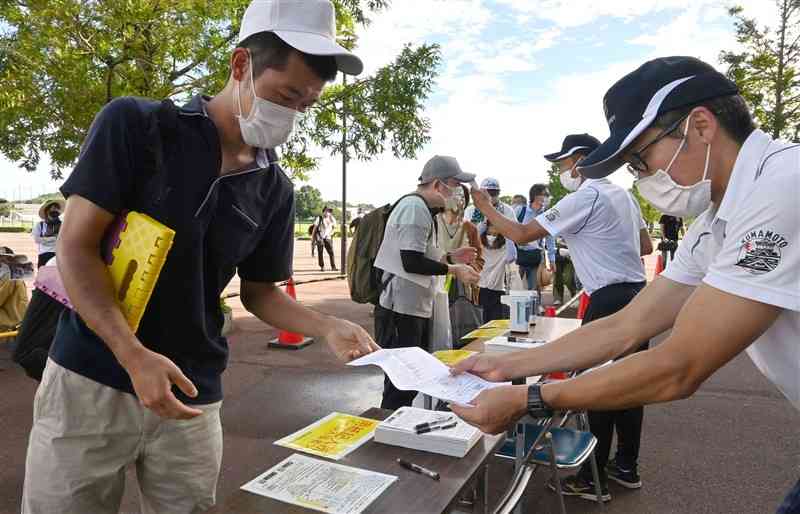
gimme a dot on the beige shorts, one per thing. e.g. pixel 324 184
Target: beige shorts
pixel 85 434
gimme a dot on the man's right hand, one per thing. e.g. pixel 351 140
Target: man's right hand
pixel 465 274
pixel 488 367
pixel 152 375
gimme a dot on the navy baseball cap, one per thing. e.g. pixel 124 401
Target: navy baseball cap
pixel 638 98
pixel 573 143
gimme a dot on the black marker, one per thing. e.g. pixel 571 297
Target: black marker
pixel 433 423
pixel 416 468
pixel 436 427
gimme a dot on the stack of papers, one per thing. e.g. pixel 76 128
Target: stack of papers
pixel 398 430
pixel 502 344
pixel 414 369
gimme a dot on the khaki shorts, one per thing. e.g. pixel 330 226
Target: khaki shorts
pixel 85 434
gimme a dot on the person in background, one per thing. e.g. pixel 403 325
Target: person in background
pixel 565 273
pixel 498 253
pixel 412 265
pixel 13 293
pixel 671 227
pixel 517 201
pixel 323 237
pixel 45 232
pixel 356 220
pixel 492 188
pixel 603 226
pixel 530 255
pixel 455 233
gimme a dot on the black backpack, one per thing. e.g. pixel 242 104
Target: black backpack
pixel 363 278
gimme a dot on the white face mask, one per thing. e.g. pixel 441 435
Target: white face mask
pixel 570 183
pixel 672 198
pixel 269 124
pixel 491 240
pixel 545 202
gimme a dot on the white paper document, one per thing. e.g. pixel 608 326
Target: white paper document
pixel 414 369
pixel 320 485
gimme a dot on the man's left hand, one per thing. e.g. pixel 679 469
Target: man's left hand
pixel 349 341
pixel 495 410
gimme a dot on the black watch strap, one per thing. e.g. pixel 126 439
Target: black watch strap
pixel 537 408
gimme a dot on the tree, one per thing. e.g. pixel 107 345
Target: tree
pixel 557 190
pixel 767 70
pixel 649 213
pixel 308 202
pixel 62 60
pixel 5 208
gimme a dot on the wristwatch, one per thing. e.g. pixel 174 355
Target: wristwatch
pixel 449 258
pixel 537 408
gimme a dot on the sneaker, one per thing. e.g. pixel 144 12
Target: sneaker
pixel 625 477
pixel 577 486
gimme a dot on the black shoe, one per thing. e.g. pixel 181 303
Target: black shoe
pixel 625 477
pixel 576 486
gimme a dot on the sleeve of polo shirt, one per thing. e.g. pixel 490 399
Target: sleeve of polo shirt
pixel 685 268
pixel 105 171
pixel 271 261
pixel 570 214
pixel 760 256
pixel 413 224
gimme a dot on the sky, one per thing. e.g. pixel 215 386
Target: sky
pixel 516 77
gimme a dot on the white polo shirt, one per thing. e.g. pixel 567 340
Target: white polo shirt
pixel 750 247
pixel 600 223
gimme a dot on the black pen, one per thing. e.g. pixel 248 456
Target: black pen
pixel 437 427
pixel 418 469
pixel 432 423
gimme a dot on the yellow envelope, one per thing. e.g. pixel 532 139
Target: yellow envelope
pixel 452 357
pixel 498 323
pixel 334 436
pixel 485 333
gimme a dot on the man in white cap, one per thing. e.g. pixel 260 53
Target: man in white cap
pixel 492 188
pixel 689 139
pixel 110 398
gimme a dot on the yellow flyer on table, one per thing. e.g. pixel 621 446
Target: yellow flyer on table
pixel 333 437
pixel 498 323
pixel 452 357
pixel 485 333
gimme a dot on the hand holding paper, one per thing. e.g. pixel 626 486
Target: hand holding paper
pixel 414 369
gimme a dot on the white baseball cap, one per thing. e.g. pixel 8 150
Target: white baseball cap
pixel 306 25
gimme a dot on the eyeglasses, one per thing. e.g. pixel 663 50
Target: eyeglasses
pixel 636 163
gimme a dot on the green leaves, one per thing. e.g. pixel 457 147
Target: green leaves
pixel 62 60
pixel 766 71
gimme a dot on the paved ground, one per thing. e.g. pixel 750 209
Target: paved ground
pixel 732 448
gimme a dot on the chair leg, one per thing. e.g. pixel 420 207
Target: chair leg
pixel 556 480
pixel 596 475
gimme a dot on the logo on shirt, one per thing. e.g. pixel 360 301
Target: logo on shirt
pixel 761 251
pixel 552 215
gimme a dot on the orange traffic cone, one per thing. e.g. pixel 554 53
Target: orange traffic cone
pixel 583 305
pixel 290 340
pixel 659 264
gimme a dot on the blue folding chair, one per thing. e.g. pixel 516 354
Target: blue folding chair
pixel 555 446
